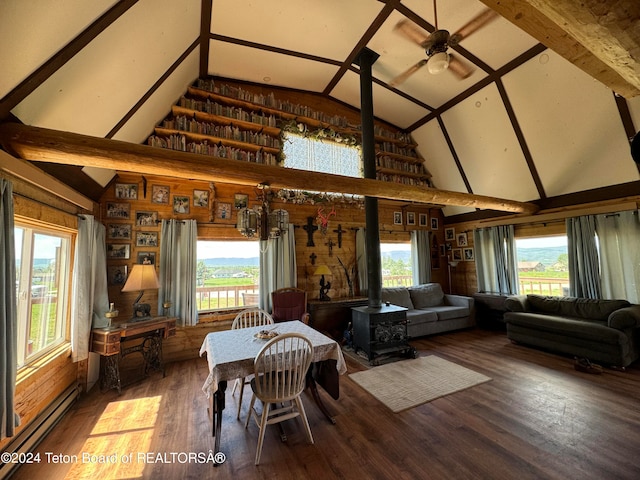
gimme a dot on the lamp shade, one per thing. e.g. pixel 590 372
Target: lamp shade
pixel 322 270
pixel 438 63
pixel 142 277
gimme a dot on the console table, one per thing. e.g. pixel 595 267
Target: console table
pixel 333 316
pixel 115 342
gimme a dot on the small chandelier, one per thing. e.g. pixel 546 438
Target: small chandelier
pixel 247 222
pixel 277 222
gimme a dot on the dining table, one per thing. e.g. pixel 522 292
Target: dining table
pixel 231 354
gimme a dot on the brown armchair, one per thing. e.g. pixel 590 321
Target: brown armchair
pixel 289 304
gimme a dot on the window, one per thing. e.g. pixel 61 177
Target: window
pixel 396 264
pixel 228 274
pixel 42 287
pixel 543 265
pixel 305 153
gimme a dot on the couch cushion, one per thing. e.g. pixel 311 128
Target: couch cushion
pixel 397 296
pixel 427 295
pixel 415 317
pixel 446 312
pixel 571 328
pixel 586 308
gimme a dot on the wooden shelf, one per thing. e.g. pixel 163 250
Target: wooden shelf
pixel 404 158
pixel 177 110
pixel 391 171
pixel 200 137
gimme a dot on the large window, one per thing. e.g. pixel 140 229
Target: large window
pixel 306 153
pixel 396 264
pixel 228 274
pixel 543 265
pixel 42 286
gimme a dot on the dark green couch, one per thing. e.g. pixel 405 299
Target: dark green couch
pixel 604 331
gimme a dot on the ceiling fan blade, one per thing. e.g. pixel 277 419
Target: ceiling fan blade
pixel 413 33
pixel 403 76
pixel 473 25
pixel 461 69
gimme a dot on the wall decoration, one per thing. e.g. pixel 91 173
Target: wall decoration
pixel 422 219
pixel 127 190
pixel 117 274
pixel 434 223
pixel 397 218
pixel 411 218
pixel 146 219
pixel 147 239
pixel 119 231
pixel 240 200
pixel 449 234
pixel 443 249
pixel 180 204
pixel 147 258
pixel 118 251
pixel 223 211
pixel 118 210
pixel 457 254
pixel 160 194
pixel 322 219
pixel 201 198
pixel 461 239
pixel 468 254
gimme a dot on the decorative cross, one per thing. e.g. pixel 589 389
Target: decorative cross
pixel 330 244
pixel 339 231
pixel 313 257
pixel 310 228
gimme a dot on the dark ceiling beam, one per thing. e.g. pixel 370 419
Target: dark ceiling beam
pixel 454 154
pixel 627 122
pixel 206 9
pixel 33 81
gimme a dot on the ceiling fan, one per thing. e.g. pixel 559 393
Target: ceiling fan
pixel 437 43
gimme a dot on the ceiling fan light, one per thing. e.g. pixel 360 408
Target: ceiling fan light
pixel 438 63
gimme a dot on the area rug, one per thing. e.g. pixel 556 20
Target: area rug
pixel 406 384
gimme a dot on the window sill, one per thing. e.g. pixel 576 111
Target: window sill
pixel 26 371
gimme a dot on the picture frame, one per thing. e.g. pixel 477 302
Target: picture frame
pixel 456 254
pixel 119 251
pixel 146 239
pixel 147 258
pixel 201 198
pixel 461 239
pixel 411 218
pixel 240 200
pixel 223 211
pixel 422 219
pixel 160 194
pixel 119 210
pixel 119 231
pixel 434 223
pixel 468 254
pixel 397 218
pixel 449 234
pixel 126 190
pixel 146 218
pixel 117 274
pixel 181 204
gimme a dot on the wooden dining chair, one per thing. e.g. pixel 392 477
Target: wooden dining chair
pixel 280 369
pixel 289 304
pixel 252 317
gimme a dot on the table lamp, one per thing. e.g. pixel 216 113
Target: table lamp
pixel 142 277
pixel 324 286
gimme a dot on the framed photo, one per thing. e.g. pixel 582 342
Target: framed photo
pixel 201 198
pixel 147 239
pixel 449 234
pixel 411 218
pixel 147 258
pixel 146 219
pixel 180 204
pixel 118 210
pixel 117 274
pixel 119 231
pixel 461 239
pixel 468 254
pixel 118 251
pixel 127 190
pixel 223 211
pixel 434 223
pixel 422 219
pixel 457 254
pixel 160 194
pixel 397 218
pixel 240 200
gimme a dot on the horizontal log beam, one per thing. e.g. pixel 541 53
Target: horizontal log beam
pixel 44 145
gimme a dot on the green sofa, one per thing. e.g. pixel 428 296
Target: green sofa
pixel 604 331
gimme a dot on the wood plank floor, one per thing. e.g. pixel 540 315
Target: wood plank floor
pixel 537 418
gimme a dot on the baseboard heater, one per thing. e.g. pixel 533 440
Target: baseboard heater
pixel 33 434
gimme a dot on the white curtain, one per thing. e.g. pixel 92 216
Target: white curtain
pixel 584 265
pixel 361 261
pixel 420 256
pixel 618 235
pixel 90 293
pixel 178 244
pixel 277 266
pixel 8 312
pixel 496 262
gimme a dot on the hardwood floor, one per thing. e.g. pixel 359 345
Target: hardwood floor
pixel 537 418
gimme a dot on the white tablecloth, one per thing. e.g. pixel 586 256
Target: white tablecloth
pixel 231 353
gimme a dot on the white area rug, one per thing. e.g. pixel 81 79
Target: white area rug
pixel 406 384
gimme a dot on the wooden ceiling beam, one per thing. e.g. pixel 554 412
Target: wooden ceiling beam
pixel 601 38
pixel 44 145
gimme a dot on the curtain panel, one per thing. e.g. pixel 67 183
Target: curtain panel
pixel 584 268
pixel 277 266
pixel 496 259
pixel 420 256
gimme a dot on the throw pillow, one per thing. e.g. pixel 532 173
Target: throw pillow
pixel 397 296
pixel 427 295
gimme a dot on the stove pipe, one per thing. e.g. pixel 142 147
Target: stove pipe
pixel 365 59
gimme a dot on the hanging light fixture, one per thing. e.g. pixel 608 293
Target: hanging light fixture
pixel 278 222
pixel 263 222
pixel 247 222
pixel 438 63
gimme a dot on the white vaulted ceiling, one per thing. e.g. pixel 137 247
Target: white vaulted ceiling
pixel 527 125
